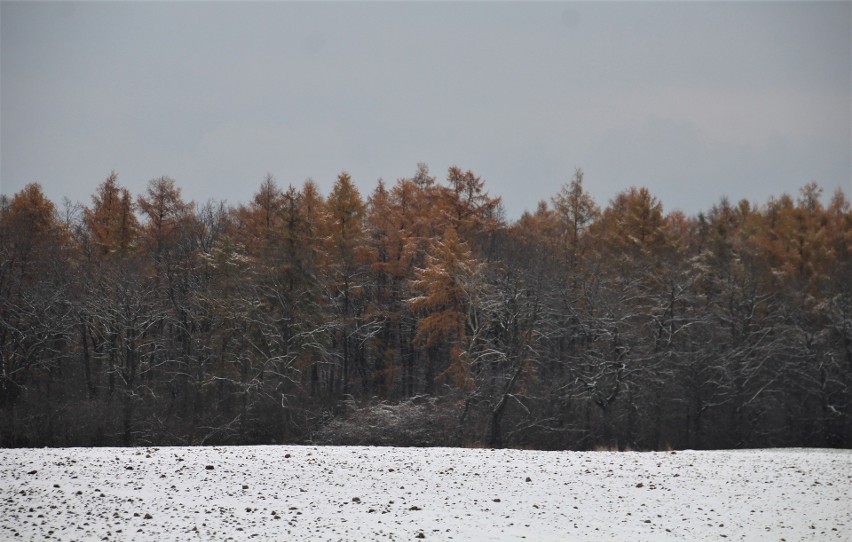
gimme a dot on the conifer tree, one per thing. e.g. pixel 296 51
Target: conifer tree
pixel 112 218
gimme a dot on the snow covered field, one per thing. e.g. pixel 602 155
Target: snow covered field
pixel 340 493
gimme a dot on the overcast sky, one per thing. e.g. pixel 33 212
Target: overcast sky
pixel 693 100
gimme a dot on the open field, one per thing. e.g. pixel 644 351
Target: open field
pixel 358 493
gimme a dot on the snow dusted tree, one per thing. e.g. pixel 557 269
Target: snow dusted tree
pixel 36 320
pixel 450 287
pixel 572 327
pixel 345 273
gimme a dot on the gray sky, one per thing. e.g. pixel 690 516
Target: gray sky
pixel 693 100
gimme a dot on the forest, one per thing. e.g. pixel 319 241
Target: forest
pixel 419 315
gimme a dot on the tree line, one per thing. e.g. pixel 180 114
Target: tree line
pixel 420 315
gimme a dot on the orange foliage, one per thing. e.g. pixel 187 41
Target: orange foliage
pixel 112 219
pixel 31 237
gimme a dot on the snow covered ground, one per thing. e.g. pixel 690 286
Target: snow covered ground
pixel 343 493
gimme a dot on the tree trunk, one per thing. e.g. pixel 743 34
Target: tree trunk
pixel 87 365
pixel 495 439
pixel 127 418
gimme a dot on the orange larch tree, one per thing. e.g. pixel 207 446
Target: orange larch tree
pixel 576 211
pixel 112 219
pixel 450 288
pixel 345 273
pixel 167 216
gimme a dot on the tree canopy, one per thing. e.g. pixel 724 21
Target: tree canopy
pixel 155 320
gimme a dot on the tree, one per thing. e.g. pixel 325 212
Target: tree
pixel 469 209
pixel 346 210
pixel 633 222
pixel 449 288
pixel 401 223
pixel 31 234
pixel 168 216
pixel 35 316
pixel 385 243
pixel 112 219
pixel 259 223
pixel 576 211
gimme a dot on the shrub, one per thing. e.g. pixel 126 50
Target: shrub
pixel 418 421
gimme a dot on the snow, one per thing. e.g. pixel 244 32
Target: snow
pixel 361 493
